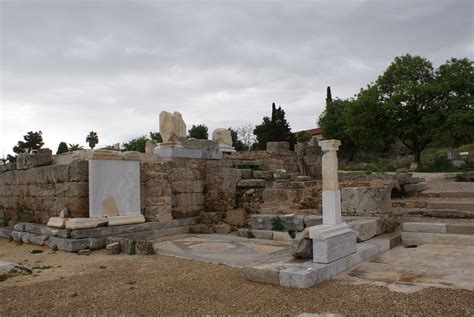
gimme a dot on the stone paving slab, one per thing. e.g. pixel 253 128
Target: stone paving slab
pixel 225 249
pixel 412 269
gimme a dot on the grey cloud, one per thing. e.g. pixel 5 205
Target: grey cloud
pixel 112 66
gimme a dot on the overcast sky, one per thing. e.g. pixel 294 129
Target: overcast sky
pixel 69 67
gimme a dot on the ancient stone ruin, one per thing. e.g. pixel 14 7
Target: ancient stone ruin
pixel 92 199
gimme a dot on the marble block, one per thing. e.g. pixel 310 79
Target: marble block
pixel 56 222
pixel 85 223
pixel 125 220
pixel 114 188
pixel 332 242
pixel 222 147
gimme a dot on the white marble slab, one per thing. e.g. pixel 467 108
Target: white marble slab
pixel 114 188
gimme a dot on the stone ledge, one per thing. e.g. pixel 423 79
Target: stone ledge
pixel 418 238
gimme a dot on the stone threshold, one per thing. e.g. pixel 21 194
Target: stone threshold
pixel 74 240
pixel 304 273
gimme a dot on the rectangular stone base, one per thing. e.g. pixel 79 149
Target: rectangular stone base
pixel 171 152
pixel 332 242
pixel 307 274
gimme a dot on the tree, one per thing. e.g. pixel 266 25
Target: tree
pixel 455 86
pixel 92 139
pixel 366 122
pixel 32 141
pixel 62 148
pixel 156 136
pixel 407 89
pixel 75 147
pixel 245 134
pixel 236 143
pixel 198 132
pixel 328 95
pixel 334 125
pixel 137 144
pixel 274 129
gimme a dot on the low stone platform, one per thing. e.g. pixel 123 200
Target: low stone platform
pixel 365 227
pixel 74 240
pixel 224 249
pixel 304 273
pixel 417 233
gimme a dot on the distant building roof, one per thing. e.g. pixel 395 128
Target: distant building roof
pixel 313 132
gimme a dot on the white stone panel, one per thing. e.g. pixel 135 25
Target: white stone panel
pixel 114 188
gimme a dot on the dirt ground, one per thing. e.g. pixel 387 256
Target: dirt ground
pixel 100 284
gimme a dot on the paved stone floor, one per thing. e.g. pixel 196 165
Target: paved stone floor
pixel 400 269
pixel 226 249
pixel 412 269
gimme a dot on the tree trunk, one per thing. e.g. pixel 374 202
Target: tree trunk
pixel 417 154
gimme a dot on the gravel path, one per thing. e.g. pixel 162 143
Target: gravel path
pixel 135 285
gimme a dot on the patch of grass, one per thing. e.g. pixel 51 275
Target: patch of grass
pixel 133 247
pixel 277 225
pixel 250 234
pixel 36 251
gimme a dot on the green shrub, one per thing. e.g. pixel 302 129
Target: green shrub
pixel 277 225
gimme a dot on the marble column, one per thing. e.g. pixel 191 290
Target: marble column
pixel 333 239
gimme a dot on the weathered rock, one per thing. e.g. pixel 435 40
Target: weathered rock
pixel 202 228
pixel 172 126
pixel 64 213
pixel 236 217
pixel 150 146
pixel 251 183
pixel 415 188
pixel 42 157
pixel 278 147
pixel 366 228
pixel 144 248
pixel 263 174
pixel 365 200
pixel 302 249
pixel 212 217
pixel 113 248
pixel 56 222
pixel 222 228
pixel 84 252
pixel 222 135
pixel 125 220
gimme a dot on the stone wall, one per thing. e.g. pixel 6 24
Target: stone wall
pixel 38 193
pixel 273 160
pixel 172 189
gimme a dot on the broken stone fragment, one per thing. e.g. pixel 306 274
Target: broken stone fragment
pixel 85 223
pixel 113 248
pixel 302 249
pixel 222 228
pixel 57 222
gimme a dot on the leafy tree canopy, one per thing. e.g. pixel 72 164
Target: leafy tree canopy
pixel 198 132
pixel 236 143
pixel 75 147
pixel 138 144
pixel 62 148
pixel 273 129
pixel 32 141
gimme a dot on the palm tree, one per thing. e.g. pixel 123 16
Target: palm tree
pixel 74 147
pixel 92 139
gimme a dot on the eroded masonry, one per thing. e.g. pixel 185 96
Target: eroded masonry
pixel 90 199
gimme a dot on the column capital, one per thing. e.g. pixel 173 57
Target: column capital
pixel 329 145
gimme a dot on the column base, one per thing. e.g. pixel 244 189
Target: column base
pixel 332 242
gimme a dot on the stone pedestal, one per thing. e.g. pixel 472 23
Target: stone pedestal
pixel 332 242
pixel 333 239
pixel 175 152
pixel 225 148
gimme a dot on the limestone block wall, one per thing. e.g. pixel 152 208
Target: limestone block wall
pixel 38 193
pixel 172 189
pixel 273 160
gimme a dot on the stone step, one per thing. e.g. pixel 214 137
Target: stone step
pixel 433 227
pixel 446 194
pixel 418 238
pixel 440 213
pixel 436 203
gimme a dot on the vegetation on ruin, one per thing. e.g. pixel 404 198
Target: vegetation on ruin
pixel 199 131
pixel 277 225
pixel 273 129
pixel 236 143
pixel 62 148
pixel 412 102
pixel 75 147
pixel 138 144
